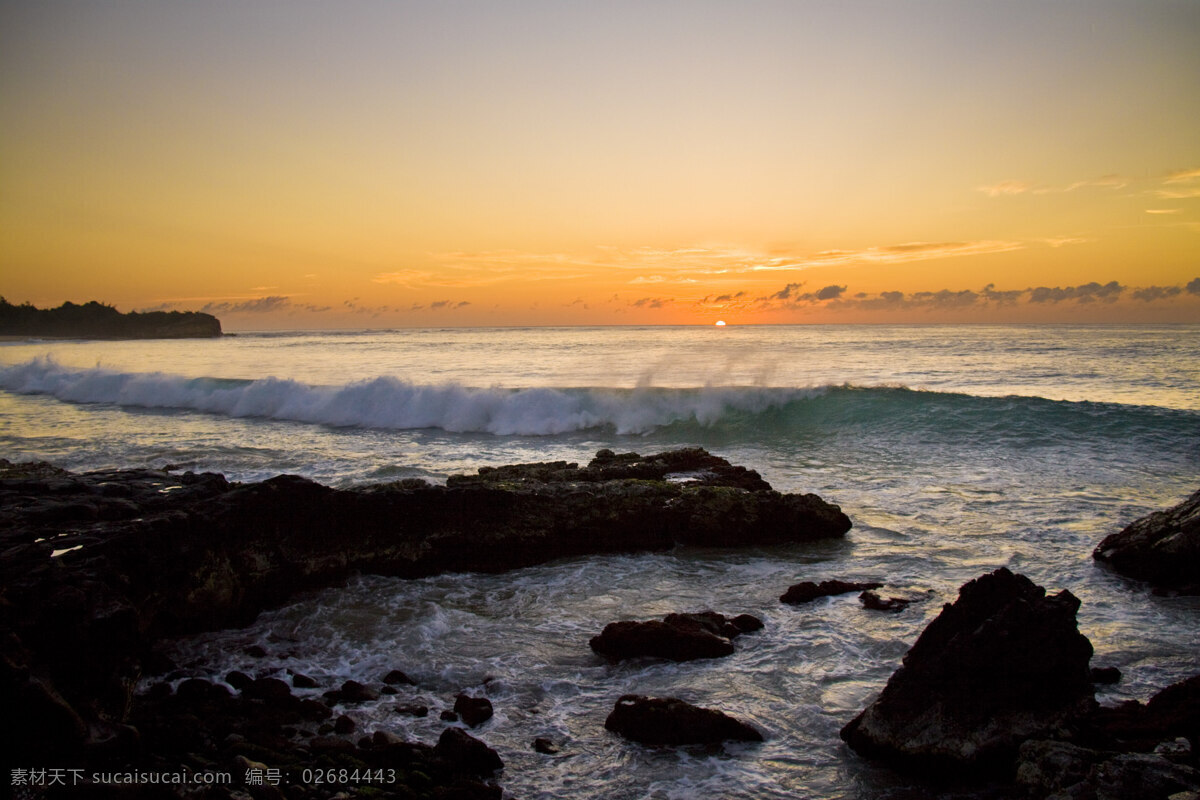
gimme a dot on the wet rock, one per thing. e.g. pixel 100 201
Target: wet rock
pixel 806 591
pixel 670 721
pixel 448 716
pixel 300 681
pixel 269 690
pixel 413 710
pixel 473 710
pixel 678 637
pixel 398 678
pixel 1162 548
pixel 1105 675
pixel 1001 665
pixel 1172 712
pixel 239 680
pixel 344 725
pixel 466 753
pixel 873 602
pixel 544 746
pixel 352 692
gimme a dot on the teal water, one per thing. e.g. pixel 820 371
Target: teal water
pixel 954 449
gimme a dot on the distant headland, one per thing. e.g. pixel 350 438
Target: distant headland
pixel 94 320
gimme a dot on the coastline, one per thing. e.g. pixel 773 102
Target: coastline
pixel 134 550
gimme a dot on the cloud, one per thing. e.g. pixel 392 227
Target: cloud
pixel 1086 293
pixel 258 305
pixel 835 297
pixel 1163 210
pixel 449 305
pixel 1182 176
pixel 1005 188
pixel 652 302
pixel 1152 293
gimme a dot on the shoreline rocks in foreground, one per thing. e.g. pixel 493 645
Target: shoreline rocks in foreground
pixel 1003 664
pixel 1162 548
pixel 105 564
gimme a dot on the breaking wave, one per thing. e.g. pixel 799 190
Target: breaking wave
pixel 392 403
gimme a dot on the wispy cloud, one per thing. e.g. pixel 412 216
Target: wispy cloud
pixel 1183 176
pixel 1164 210
pixel 1005 188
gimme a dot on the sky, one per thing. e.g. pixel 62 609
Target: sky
pixel 383 164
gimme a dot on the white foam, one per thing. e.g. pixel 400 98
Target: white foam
pixel 393 403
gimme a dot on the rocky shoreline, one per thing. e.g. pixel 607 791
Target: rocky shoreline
pixel 97 568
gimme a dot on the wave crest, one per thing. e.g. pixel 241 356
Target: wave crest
pixel 387 402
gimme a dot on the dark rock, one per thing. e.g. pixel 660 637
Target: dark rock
pixel 805 591
pixel 238 680
pixel 388 690
pixel 448 716
pixel 1105 675
pixel 1172 712
pixel 270 690
pixel 344 725
pixel 396 677
pixel 352 692
pixel 1162 548
pixel 873 602
pixel 678 637
pixel 544 746
pixel 413 710
pixel 300 681
pixel 256 651
pixel 670 721
pixel 473 710
pixel 1045 767
pixel 466 753
pixel 1001 665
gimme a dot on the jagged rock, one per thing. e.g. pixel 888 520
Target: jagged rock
pixel 678 637
pixel 669 720
pixel 544 746
pixel 1001 665
pixel 805 591
pixel 473 710
pixel 1162 548
pixel 1105 675
pixel 1172 712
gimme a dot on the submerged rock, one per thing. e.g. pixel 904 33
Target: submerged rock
pixel 678 637
pixel 1162 548
pixel 1003 664
pixel 806 591
pixel 670 721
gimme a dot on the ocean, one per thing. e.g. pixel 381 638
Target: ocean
pixel 954 450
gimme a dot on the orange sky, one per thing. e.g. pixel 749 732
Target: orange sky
pixel 389 164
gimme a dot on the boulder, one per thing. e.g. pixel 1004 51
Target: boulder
pixel 467 754
pixel 806 591
pixel 1001 665
pixel 873 602
pixel 1162 548
pixel 671 721
pixel 473 710
pixel 677 637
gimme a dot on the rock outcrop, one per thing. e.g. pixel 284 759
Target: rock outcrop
pixel 1162 548
pixel 1001 665
pixel 107 563
pixel 671 721
pixel 807 591
pixel 677 637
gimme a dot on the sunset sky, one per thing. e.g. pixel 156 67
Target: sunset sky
pixel 391 164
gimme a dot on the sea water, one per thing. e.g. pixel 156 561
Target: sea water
pixel 954 449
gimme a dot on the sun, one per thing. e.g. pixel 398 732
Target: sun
pixel 720 323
